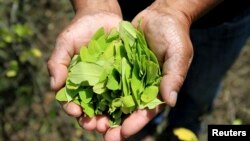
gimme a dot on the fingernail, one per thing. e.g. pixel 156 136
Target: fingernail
pixel 80 122
pixel 172 98
pixel 52 82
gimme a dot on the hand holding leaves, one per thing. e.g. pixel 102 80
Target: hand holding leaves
pixel 115 75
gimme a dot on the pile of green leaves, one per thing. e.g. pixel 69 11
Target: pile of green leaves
pixel 114 75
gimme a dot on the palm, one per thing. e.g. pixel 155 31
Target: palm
pixel 81 29
pixel 68 43
pixel 168 37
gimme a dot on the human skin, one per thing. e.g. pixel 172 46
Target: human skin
pixel 166 25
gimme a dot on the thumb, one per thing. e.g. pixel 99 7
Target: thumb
pixel 59 61
pixel 175 68
pixel 58 69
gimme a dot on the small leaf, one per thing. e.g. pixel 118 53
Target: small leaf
pixel 109 51
pixel 113 35
pixel 127 29
pixel 149 94
pixel 115 119
pixel 71 86
pixel 94 48
pixel 61 95
pixel 153 104
pixel 100 32
pixel 152 72
pixel 71 94
pixel 86 95
pixel 113 83
pixel 11 73
pixel 86 56
pixel 88 109
pixel 126 70
pixel 136 85
pixel 101 106
pixel 36 52
pixel 100 87
pixel 128 101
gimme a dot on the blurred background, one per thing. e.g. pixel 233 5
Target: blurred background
pixel 28 110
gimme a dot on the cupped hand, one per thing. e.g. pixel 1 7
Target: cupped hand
pixel 68 43
pixel 167 34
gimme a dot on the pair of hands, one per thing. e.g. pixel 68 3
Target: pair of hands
pixel 167 33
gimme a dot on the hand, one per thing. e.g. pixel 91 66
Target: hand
pixel 167 33
pixel 86 21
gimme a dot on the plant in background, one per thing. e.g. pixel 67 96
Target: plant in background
pixel 18 59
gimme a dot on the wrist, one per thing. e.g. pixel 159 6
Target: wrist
pixel 191 10
pixel 92 6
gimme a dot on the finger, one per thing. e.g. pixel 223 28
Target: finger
pixel 102 124
pixel 87 123
pixel 137 120
pixel 59 60
pixel 174 69
pixel 72 109
pixel 113 134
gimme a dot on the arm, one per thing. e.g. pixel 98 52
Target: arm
pixel 105 5
pixel 191 9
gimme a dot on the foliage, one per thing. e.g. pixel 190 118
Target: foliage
pixel 115 74
pixel 26 103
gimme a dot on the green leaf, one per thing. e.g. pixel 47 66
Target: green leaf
pixel 22 30
pixel 113 81
pixel 128 49
pixel 152 72
pixel 128 104
pixel 94 49
pixel 100 87
pixel 126 71
pixel 126 29
pixel 115 119
pixel 86 95
pixel 128 101
pixel 61 95
pixel 101 106
pixel 11 73
pixel 107 96
pixel 102 42
pixel 83 71
pixel 71 94
pixel 109 52
pixel 71 86
pixel 136 84
pixel 86 56
pixel 149 94
pixel 113 35
pixel 116 103
pixel 100 32
pixel 88 109
pixel 153 104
